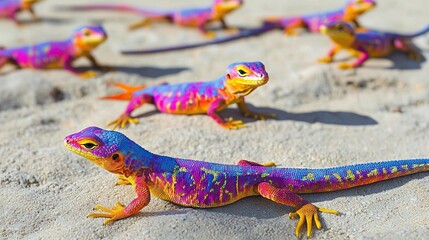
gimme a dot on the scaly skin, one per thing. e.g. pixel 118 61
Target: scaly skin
pixel 58 54
pixel 313 22
pixel 366 43
pixel 9 8
pixel 190 17
pixel 202 184
pixel 199 97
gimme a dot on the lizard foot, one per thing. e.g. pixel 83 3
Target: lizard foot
pixel 325 60
pixel 210 34
pixel 231 124
pixel 290 32
pixel 345 65
pixel 113 214
pixel 259 116
pixel 415 56
pixel 306 214
pixel 122 121
pixel 87 74
pixel 122 180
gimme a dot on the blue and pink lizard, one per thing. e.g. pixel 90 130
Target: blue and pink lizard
pixel 58 54
pixel 201 184
pixel 198 17
pixel 211 97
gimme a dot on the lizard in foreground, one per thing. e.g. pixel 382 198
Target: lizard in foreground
pixel 58 54
pixel 203 184
pixel 198 97
pixel 366 43
pixel 311 22
pixel 190 17
pixel 9 8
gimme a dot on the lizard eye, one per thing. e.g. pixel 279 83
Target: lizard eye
pixel 86 32
pixel 115 156
pixel 241 72
pixel 89 146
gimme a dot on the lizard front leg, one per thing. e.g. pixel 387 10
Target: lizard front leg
pixel 125 118
pixel 95 64
pixel 68 66
pixel 305 211
pixel 217 106
pixel 120 211
pixel 331 54
pixel 247 113
pixel 362 57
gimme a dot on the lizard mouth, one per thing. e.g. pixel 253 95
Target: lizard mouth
pixel 88 155
pixel 251 81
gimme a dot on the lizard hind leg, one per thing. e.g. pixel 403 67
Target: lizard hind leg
pixel 250 163
pixel 305 211
pixel 408 47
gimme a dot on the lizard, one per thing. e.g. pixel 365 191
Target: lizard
pixel 190 17
pixel 312 22
pixel 210 97
pixel 366 43
pixel 201 184
pixel 58 54
pixel 9 8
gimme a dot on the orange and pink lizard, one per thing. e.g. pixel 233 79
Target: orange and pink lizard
pixel 210 97
pixel 9 8
pixel 58 54
pixel 203 184
pixel 366 43
pixel 189 17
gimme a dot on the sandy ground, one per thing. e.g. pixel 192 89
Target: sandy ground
pixel 326 117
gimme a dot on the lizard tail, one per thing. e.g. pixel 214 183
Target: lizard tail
pixel 116 7
pixel 127 94
pixel 418 33
pixel 242 34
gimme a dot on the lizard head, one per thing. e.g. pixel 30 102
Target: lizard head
pixel 341 33
pixel 26 4
pixel 223 7
pixel 89 37
pixel 110 150
pixel 244 77
pixel 358 7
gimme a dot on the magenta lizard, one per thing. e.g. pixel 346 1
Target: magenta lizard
pixel 365 43
pixel 9 8
pixel 58 54
pixel 191 17
pixel 211 97
pixel 203 184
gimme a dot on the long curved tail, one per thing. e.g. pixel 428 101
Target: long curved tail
pixel 117 7
pixel 344 177
pixel 126 95
pixel 242 34
pixel 418 33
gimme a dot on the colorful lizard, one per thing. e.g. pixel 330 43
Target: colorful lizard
pixel 313 22
pixel 191 17
pixel 58 54
pixel 199 97
pixel 365 43
pixel 202 184
pixel 9 8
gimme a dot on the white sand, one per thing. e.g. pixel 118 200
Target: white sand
pixel 327 117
